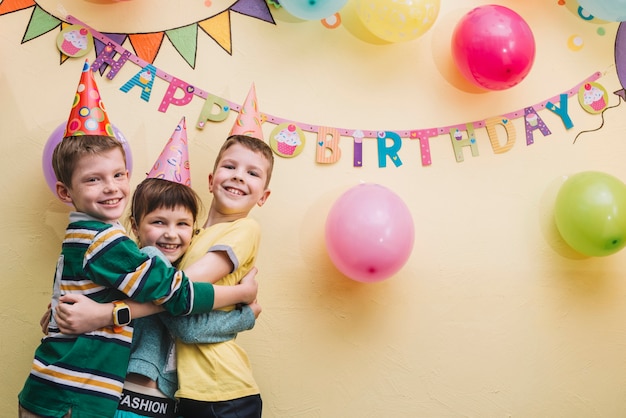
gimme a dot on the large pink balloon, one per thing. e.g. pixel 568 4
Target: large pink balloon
pixel 493 47
pixel 369 233
pixel 53 141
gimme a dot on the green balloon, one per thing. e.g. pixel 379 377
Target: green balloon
pixel 590 213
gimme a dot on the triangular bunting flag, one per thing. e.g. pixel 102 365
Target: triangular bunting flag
pixel 185 40
pixel 40 22
pixel 147 45
pixel 63 57
pixel 10 6
pixel 254 8
pixel 218 28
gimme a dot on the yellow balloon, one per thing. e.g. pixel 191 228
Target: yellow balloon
pixel 398 20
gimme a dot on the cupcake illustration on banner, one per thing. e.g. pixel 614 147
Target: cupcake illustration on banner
pixel 287 140
pixel 593 97
pixel 75 41
pixel 145 76
pixel 532 119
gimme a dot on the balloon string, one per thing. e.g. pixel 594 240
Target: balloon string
pixel 602 124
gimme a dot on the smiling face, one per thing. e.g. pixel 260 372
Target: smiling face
pixel 99 186
pixel 238 182
pixel 169 230
pixel 163 215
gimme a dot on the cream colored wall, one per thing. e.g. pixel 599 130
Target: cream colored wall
pixel 492 316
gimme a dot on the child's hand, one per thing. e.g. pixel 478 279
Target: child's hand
pixel 256 308
pixel 45 320
pixel 77 314
pixel 250 286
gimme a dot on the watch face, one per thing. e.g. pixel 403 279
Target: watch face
pixel 123 316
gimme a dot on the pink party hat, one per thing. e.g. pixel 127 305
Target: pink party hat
pixel 88 115
pixel 249 119
pixel 173 163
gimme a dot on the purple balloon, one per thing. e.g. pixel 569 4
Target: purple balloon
pixel 620 58
pixel 56 137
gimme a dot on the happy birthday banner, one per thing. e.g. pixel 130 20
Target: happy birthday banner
pixel 288 140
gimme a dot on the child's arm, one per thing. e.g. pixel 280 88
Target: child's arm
pixel 214 327
pixel 231 295
pixel 114 260
pixel 213 266
pixel 154 281
pixel 77 314
pixel 85 315
pixel 210 268
pixel 45 319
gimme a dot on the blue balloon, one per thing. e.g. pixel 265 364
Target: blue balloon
pixel 611 10
pixel 312 9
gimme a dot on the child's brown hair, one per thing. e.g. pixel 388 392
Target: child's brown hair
pixel 152 194
pixel 67 153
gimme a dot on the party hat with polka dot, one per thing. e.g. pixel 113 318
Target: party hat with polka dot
pixel 173 163
pixel 88 115
pixel 249 119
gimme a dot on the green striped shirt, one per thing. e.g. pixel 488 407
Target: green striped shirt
pixel 85 373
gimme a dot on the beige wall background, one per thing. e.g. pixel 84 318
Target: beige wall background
pixel 492 316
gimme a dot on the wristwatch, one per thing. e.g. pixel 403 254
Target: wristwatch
pixel 121 315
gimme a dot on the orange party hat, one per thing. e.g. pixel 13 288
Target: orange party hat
pixel 88 115
pixel 249 119
pixel 173 163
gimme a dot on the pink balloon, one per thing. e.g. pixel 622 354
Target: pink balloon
pixel 55 138
pixel 369 233
pixel 493 47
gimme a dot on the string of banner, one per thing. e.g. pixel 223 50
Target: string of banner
pixel 287 138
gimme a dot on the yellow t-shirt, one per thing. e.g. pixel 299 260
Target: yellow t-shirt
pixel 219 372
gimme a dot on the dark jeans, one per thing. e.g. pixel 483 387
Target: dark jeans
pixel 246 407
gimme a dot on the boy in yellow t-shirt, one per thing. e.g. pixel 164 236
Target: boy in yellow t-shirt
pixel 216 379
